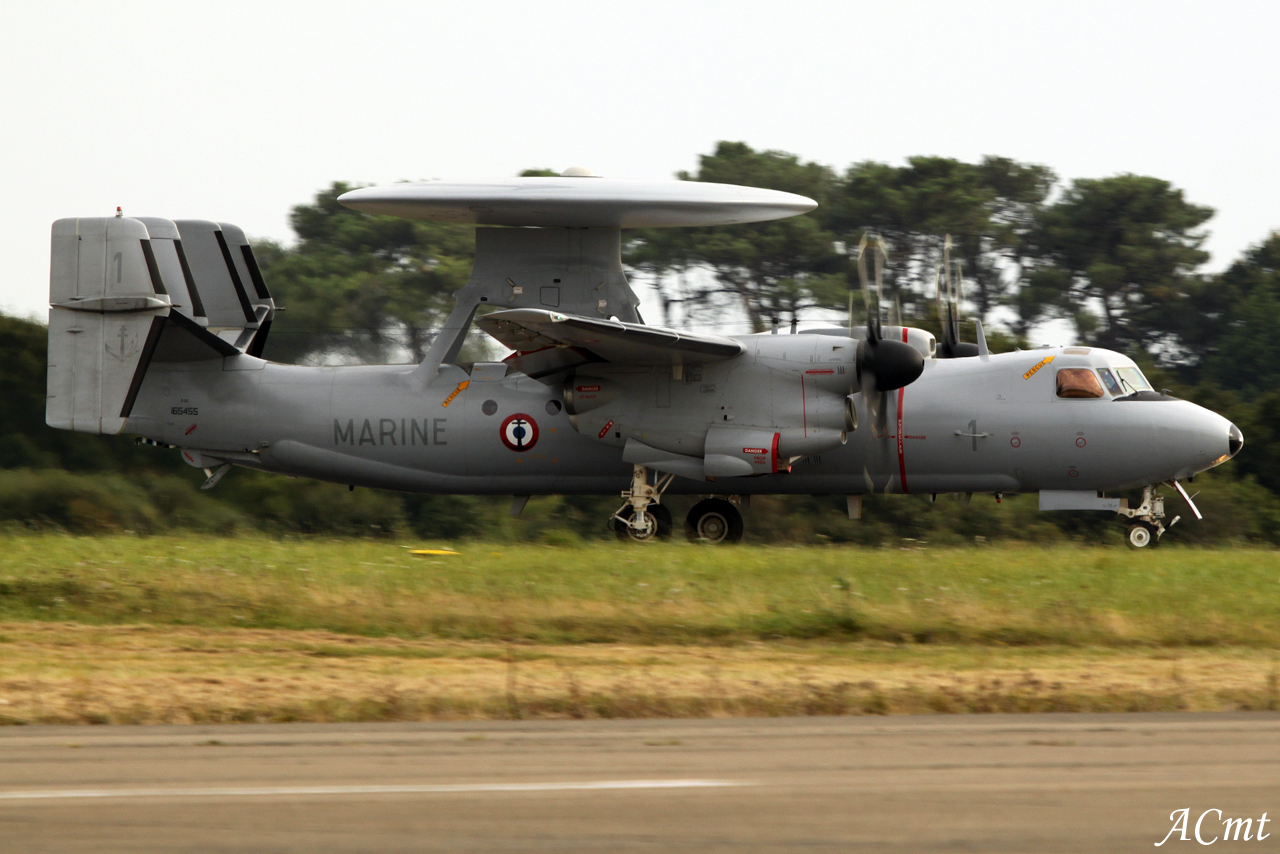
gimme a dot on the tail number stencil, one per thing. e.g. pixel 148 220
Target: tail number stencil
pixel 519 432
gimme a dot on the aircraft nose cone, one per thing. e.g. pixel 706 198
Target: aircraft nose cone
pixel 1235 440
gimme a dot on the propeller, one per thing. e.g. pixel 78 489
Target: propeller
pixel 883 365
pixel 948 291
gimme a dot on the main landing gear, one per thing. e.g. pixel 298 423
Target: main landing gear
pixel 714 520
pixel 642 517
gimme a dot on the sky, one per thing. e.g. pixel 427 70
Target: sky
pixel 237 111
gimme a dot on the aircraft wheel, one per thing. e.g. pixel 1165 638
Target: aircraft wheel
pixel 715 521
pixel 1142 535
pixel 658 525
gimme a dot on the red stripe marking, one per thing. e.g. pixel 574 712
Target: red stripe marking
pixel 904 336
pixel 774 452
pixel 189 430
pixel 822 371
pixel 604 430
pixel 902 463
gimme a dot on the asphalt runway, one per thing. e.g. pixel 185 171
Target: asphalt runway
pixel 997 783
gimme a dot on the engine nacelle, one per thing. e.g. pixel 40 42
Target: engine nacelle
pixel 788 396
pixel 737 451
pixel 801 442
pixel 588 393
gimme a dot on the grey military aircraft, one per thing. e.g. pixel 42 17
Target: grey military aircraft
pixel 157 328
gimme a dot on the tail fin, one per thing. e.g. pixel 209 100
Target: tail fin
pixel 108 305
pixel 237 305
pixel 121 295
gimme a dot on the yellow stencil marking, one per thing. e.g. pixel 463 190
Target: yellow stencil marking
pixel 457 391
pixel 1028 375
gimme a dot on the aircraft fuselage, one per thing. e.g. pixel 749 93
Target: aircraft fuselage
pixel 966 425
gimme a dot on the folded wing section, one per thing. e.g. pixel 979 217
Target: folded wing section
pixel 526 330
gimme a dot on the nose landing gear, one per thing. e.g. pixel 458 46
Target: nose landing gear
pixel 1143 534
pixel 1148 525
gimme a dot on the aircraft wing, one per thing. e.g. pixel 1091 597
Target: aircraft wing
pixel 528 329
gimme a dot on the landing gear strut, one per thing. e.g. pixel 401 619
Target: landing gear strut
pixel 1148 525
pixel 642 517
pixel 714 520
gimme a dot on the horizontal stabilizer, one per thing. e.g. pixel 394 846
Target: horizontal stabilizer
pixel 184 340
pixel 527 329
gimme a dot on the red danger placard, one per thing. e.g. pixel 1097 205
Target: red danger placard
pixel 755 450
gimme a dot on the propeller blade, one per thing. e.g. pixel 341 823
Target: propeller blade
pixel 871 396
pixel 880 423
pixel 882 365
pixel 957 287
pixel 950 293
pixel 939 301
pixel 873 317
pixel 880 257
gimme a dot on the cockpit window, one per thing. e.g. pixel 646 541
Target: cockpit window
pixel 1078 382
pixel 1132 380
pixel 1109 380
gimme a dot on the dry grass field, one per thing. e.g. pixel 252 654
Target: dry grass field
pixel 202 629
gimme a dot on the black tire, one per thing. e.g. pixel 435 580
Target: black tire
pixel 714 520
pixel 661 516
pixel 1142 535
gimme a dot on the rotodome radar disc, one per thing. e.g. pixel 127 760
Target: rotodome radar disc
pixel 579 202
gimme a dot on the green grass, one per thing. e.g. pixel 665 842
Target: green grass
pixel 656 594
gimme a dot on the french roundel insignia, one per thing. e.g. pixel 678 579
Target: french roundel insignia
pixel 519 432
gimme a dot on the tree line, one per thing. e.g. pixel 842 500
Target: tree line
pixel 1121 258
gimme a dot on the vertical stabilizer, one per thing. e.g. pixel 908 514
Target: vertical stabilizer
pixel 175 269
pixel 223 283
pixel 245 265
pixel 108 302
